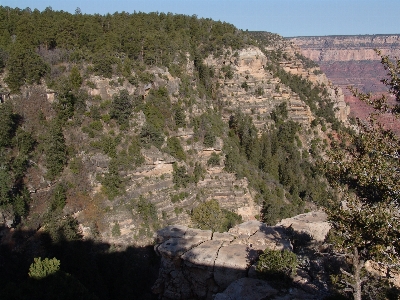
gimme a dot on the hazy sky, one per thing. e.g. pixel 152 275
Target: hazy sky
pixel 285 17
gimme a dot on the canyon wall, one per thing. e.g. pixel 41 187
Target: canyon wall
pixel 352 61
pixel 348 48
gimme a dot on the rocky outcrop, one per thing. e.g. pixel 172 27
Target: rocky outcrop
pixel 314 224
pixel 199 264
pixel 256 91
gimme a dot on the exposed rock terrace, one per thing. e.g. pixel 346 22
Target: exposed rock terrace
pixel 199 264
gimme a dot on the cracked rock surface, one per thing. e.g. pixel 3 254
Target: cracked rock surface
pixel 197 264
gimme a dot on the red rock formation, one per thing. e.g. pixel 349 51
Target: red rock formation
pixel 352 61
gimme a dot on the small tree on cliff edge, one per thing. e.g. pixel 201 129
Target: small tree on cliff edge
pixel 366 222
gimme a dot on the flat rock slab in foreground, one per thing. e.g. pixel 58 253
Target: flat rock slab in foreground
pixel 199 264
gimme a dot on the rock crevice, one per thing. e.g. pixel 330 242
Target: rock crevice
pixel 199 264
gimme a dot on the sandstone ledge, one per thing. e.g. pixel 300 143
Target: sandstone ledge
pixel 199 264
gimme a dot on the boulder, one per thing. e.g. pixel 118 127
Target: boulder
pixel 247 289
pixel 315 224
pixel 232 263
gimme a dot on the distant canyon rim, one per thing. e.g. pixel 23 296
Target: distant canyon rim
pixel 352 61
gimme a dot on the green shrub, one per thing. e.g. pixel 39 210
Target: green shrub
pixel 130 157
pixel 42 268
pixel 116 230
pixel 180 117
pixel 174 148
pixel 198 172
pixel 55 150
pixel 109 145
pixel 121 107
pixel 145 77
pixel 75 165
pixel 151 134
pixel 59 197
pixel 276 264
pixel 91 84
pixel 112 181
pixel 146 210
pixel 96 125
pixel 62 228
pixel 230 220
pixel 7 124
pixel 179 197
pixel 106 118
pixel 179 176
pixel 209 216
pixel 213 160
pixel 259 91
pixel 245 86
pixel 209 139
pixel 94 113
pixel 178 210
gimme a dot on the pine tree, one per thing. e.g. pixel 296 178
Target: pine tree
pixel 121 108
pixel 366 220
pixel 55 150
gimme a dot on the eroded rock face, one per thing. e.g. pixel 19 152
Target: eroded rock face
pixel 314 224
pixel 347 48
pixel 352 61
pixel 198 264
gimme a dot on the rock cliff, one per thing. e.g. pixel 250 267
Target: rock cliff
pixel 264 91
pixel 352 61
pixel 348 48
pixel 154 181
pixel 251 88
pixel 199 264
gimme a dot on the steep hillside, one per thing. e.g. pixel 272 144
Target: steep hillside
pixel 110 133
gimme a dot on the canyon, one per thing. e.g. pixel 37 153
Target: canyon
pixel 353 61
pixel 175 157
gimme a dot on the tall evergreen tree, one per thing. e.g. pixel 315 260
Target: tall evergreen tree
pixel 366 220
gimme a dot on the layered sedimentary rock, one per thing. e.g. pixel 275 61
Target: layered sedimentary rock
pixel 348 48
pixel 264 91
pixel 353 61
